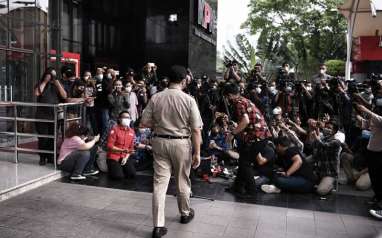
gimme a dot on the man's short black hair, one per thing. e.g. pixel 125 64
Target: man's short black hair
pixel 123 112
pixel 285 64
pixel 283 141
pixel 69 73
pixel 177 74
pixel 231 88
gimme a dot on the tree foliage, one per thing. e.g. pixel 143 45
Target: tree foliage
pixel 304 33
pixel 244 53
pixel 335 67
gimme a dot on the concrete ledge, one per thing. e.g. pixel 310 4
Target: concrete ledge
pixel 25 187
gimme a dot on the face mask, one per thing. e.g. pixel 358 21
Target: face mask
pixel 371 97
pixel 309 88
pixel 128 89
pixel 322 71
pixel 142 130
pixel 99 77
pixel 86 77
pixel 258 90
pixel 126 122
pixel 378 102
pixel 53 74
pixel 109 76
pixel 288 89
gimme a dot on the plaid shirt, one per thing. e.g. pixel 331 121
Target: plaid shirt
pixel 257 127
pixel 326 155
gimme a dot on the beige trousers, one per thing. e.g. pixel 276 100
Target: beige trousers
pixel 177 155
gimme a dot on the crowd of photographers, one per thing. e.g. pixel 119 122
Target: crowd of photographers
pixel 283 134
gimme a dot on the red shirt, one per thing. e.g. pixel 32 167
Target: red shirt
pixel 257 127
pixel 122 138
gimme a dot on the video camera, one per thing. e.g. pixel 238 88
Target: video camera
pixel 229 63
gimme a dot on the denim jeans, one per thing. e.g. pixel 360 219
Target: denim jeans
pixel 295 184
pixel 79 161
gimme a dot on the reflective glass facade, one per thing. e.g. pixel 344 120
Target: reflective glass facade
pixel 88 33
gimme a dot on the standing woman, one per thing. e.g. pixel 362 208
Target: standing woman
pixel 48 90
pixel 118 99
pixel 90 95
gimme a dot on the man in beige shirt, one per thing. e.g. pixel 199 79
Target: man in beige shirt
pixel 175 119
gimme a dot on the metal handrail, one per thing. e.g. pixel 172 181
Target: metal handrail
pixel 58 108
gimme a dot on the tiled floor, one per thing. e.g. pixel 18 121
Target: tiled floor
pixel 340 202
pixel 26 170
pixel 70 210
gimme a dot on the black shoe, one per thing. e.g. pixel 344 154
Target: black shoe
pixel 42 161
pixel 159 232
pixel 187 219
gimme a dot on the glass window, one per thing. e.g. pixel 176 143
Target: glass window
pixel 77 23
pixel 66 24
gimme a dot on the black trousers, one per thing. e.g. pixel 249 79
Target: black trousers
pixel 92 119
pixel 374 160
pixel 45 143
pixel 245 175
pixel 118 171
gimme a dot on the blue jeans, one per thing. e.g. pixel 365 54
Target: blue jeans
pixel 296 184
pixel 79 161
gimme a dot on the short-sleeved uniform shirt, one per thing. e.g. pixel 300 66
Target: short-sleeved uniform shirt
pixel 257 127
pixel 172 113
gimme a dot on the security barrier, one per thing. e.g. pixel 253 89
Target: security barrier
pixel 61 118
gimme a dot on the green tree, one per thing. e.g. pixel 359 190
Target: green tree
pixel 335 67
pixel 304 33
pixel 243 53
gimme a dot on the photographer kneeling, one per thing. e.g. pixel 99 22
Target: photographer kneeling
pixel 297 176
pixel 76 155
pixel 120 144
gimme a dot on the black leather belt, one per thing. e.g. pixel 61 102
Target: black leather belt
pixel 171 137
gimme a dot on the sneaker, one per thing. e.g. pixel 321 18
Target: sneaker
pixel 376 213
pixel 91 172
pixel 266 188
pixel 77 177
pixel 187 219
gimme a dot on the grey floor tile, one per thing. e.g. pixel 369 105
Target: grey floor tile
pixel 239 232
pixel 300 214
pixel 270 234
pixel 300 225
pixel 301 235
pixel 6 232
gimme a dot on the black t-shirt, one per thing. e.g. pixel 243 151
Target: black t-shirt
pixel 103 88
pixel 305 170
pixel 269 154
pixel 50 95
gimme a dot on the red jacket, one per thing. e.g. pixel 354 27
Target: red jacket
pixel 122 138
